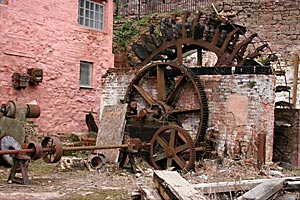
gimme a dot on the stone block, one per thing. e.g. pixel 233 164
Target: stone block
pixel 12 127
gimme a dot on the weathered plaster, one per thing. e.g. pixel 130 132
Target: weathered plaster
pixel 46 35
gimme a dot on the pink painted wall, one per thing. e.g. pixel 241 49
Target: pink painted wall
pixel 45 34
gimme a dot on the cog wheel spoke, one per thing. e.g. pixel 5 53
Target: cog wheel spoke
pixel 161 83
pixel 181 148
pixel 176 91
pixel 169 162
pixel 160 156
pixel 162 142
pixel 172 138
pixel 179 161
pixel 144 94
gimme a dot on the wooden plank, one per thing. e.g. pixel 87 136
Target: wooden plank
pixel 264 190
pixel 111 130
pixel 220 187
pixel 293 183
pixel 172 186
pixel 148 193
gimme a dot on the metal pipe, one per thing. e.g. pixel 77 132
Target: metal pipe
pixel 94 147
pixel 81 148
pixel 16 151
pixel 295 83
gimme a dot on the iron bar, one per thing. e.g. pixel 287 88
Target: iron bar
pixel 140 8
pixel 81 148
pixel 295 81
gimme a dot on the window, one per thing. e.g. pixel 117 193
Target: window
pixel 91 14
pixel 1 1
pixel 85 74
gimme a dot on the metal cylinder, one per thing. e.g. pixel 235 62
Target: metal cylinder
pixel 33 111
pixel 97 161
pixel 10 109
pixel 20 110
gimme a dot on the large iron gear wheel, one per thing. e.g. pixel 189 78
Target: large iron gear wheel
pixel 232 44
pixel 172 146
pixel 176 90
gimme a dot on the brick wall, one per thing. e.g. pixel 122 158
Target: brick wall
pixel 240 107
pixel 276 22
pixel 46 35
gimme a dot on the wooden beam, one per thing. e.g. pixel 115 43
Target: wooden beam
pixel 261 152
pixel 242 185
pixel 172 186
pixel 264 190
pixel 222 187
pixel 147 194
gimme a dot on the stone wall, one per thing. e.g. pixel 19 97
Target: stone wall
pixel 46 35
pixel 277 23
pixel 240 107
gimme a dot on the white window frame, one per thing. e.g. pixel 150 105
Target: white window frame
pixel 85 76
pixel 91 14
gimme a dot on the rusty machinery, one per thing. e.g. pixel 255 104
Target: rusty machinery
pixel 51 151
pixel 167 104
pixel 13 115
pixel 160 119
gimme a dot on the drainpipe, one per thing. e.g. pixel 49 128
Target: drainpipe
pixel 139 9
pixel 295 83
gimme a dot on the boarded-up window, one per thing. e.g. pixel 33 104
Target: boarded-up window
pixel 85 74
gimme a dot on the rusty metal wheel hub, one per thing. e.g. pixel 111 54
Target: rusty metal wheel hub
pixel 170 152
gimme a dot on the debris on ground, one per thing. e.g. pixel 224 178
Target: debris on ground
pixel 216 179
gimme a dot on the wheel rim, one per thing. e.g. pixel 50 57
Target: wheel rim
pixel 56 152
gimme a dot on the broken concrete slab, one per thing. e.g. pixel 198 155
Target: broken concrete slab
pixel 111 130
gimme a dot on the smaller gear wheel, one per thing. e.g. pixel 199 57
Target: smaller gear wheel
pixel 172 147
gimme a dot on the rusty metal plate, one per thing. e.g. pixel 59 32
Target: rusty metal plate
pixel 111 130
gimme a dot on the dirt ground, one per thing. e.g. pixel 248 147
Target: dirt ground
pixel 50 181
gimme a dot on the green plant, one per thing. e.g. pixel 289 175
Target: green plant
pixel 123 35
pixel 129 31
pixel 251 84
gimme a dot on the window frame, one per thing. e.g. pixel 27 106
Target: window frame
pixel 89 76
pixel 86 8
